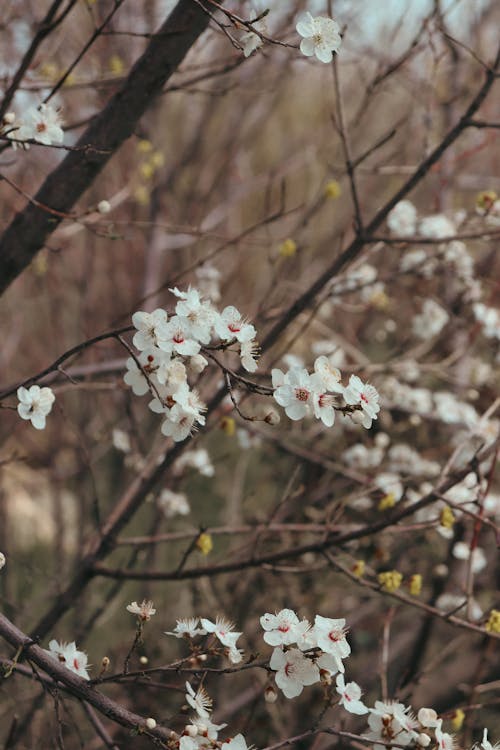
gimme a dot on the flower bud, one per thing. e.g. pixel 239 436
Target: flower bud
pixel 272 417
pixel 427 717
pixel 270 694
pixel 143 660
pixel 423 740
pixel 357 416
pixel 150 723
pixel 9 118
pixel 104 207
pixel 2 560
pixel 105 662
pixel 197 363
pixel 191 730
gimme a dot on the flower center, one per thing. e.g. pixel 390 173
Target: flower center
pixel 41 127
pixel 301 394
pixel 234 327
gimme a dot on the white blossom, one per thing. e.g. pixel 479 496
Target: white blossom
pixel 321 37
pixel 187 627
pixel 42 124
pixel 402 219
pixel 293 671
pixel 68 654
pixel 34 404
pixel 144 611
pixel 350 696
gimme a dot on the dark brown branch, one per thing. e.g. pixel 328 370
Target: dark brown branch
pixel 74 684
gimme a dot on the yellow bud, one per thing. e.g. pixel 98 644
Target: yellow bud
pixel 380 301
pixel 447 518
pixel 485 199
pixel 333 189
pixel 390 580
pixel 40 264
pixel 415 584
pixel 228 426
pixel 70 80
pixel 147 170
pixel 157 160
pixel 49 70
pixel 288 248
pixel 144 147
pixel 205 543
pixel 358 568
pixel 141 195
pixel 105 662
pixel 493 624
pixel 116 65
pixel 457 719
pixel 388 501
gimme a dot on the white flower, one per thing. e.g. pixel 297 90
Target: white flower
pixel 283 628
pixel 197 459
pixel 330 637
pixel 252 41
pixel 223 629
pixel 485 743
pixel 293 671
pixel 237 743
pixel 149 326
pixel 34 404
pixel 144 611
pixel 248 353
pixel 436 227
pixel 364 394
pixel 173 503
pixel 187 627
pixel 330 375
pixel 295 394
pixel 150 723
pixel 391 721
pixel 402 219
pixel 2 560
pixel 198 315
pixel 461 551
pixel 68 654
pixel 445 741
pixel 42 124
pixel 431 320
pixel 350 696
pixel 230 325
pixel 321 37
pixel 135 377
pixel 199 701
pixel 176 336
pixel 323 408
pixel 179 424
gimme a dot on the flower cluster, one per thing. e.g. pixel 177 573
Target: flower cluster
pixel 320 36
pixel 42 124
pixel 170 348
pixel 305 654
pixel 222 629
pixel 201 732
pixel 302 394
